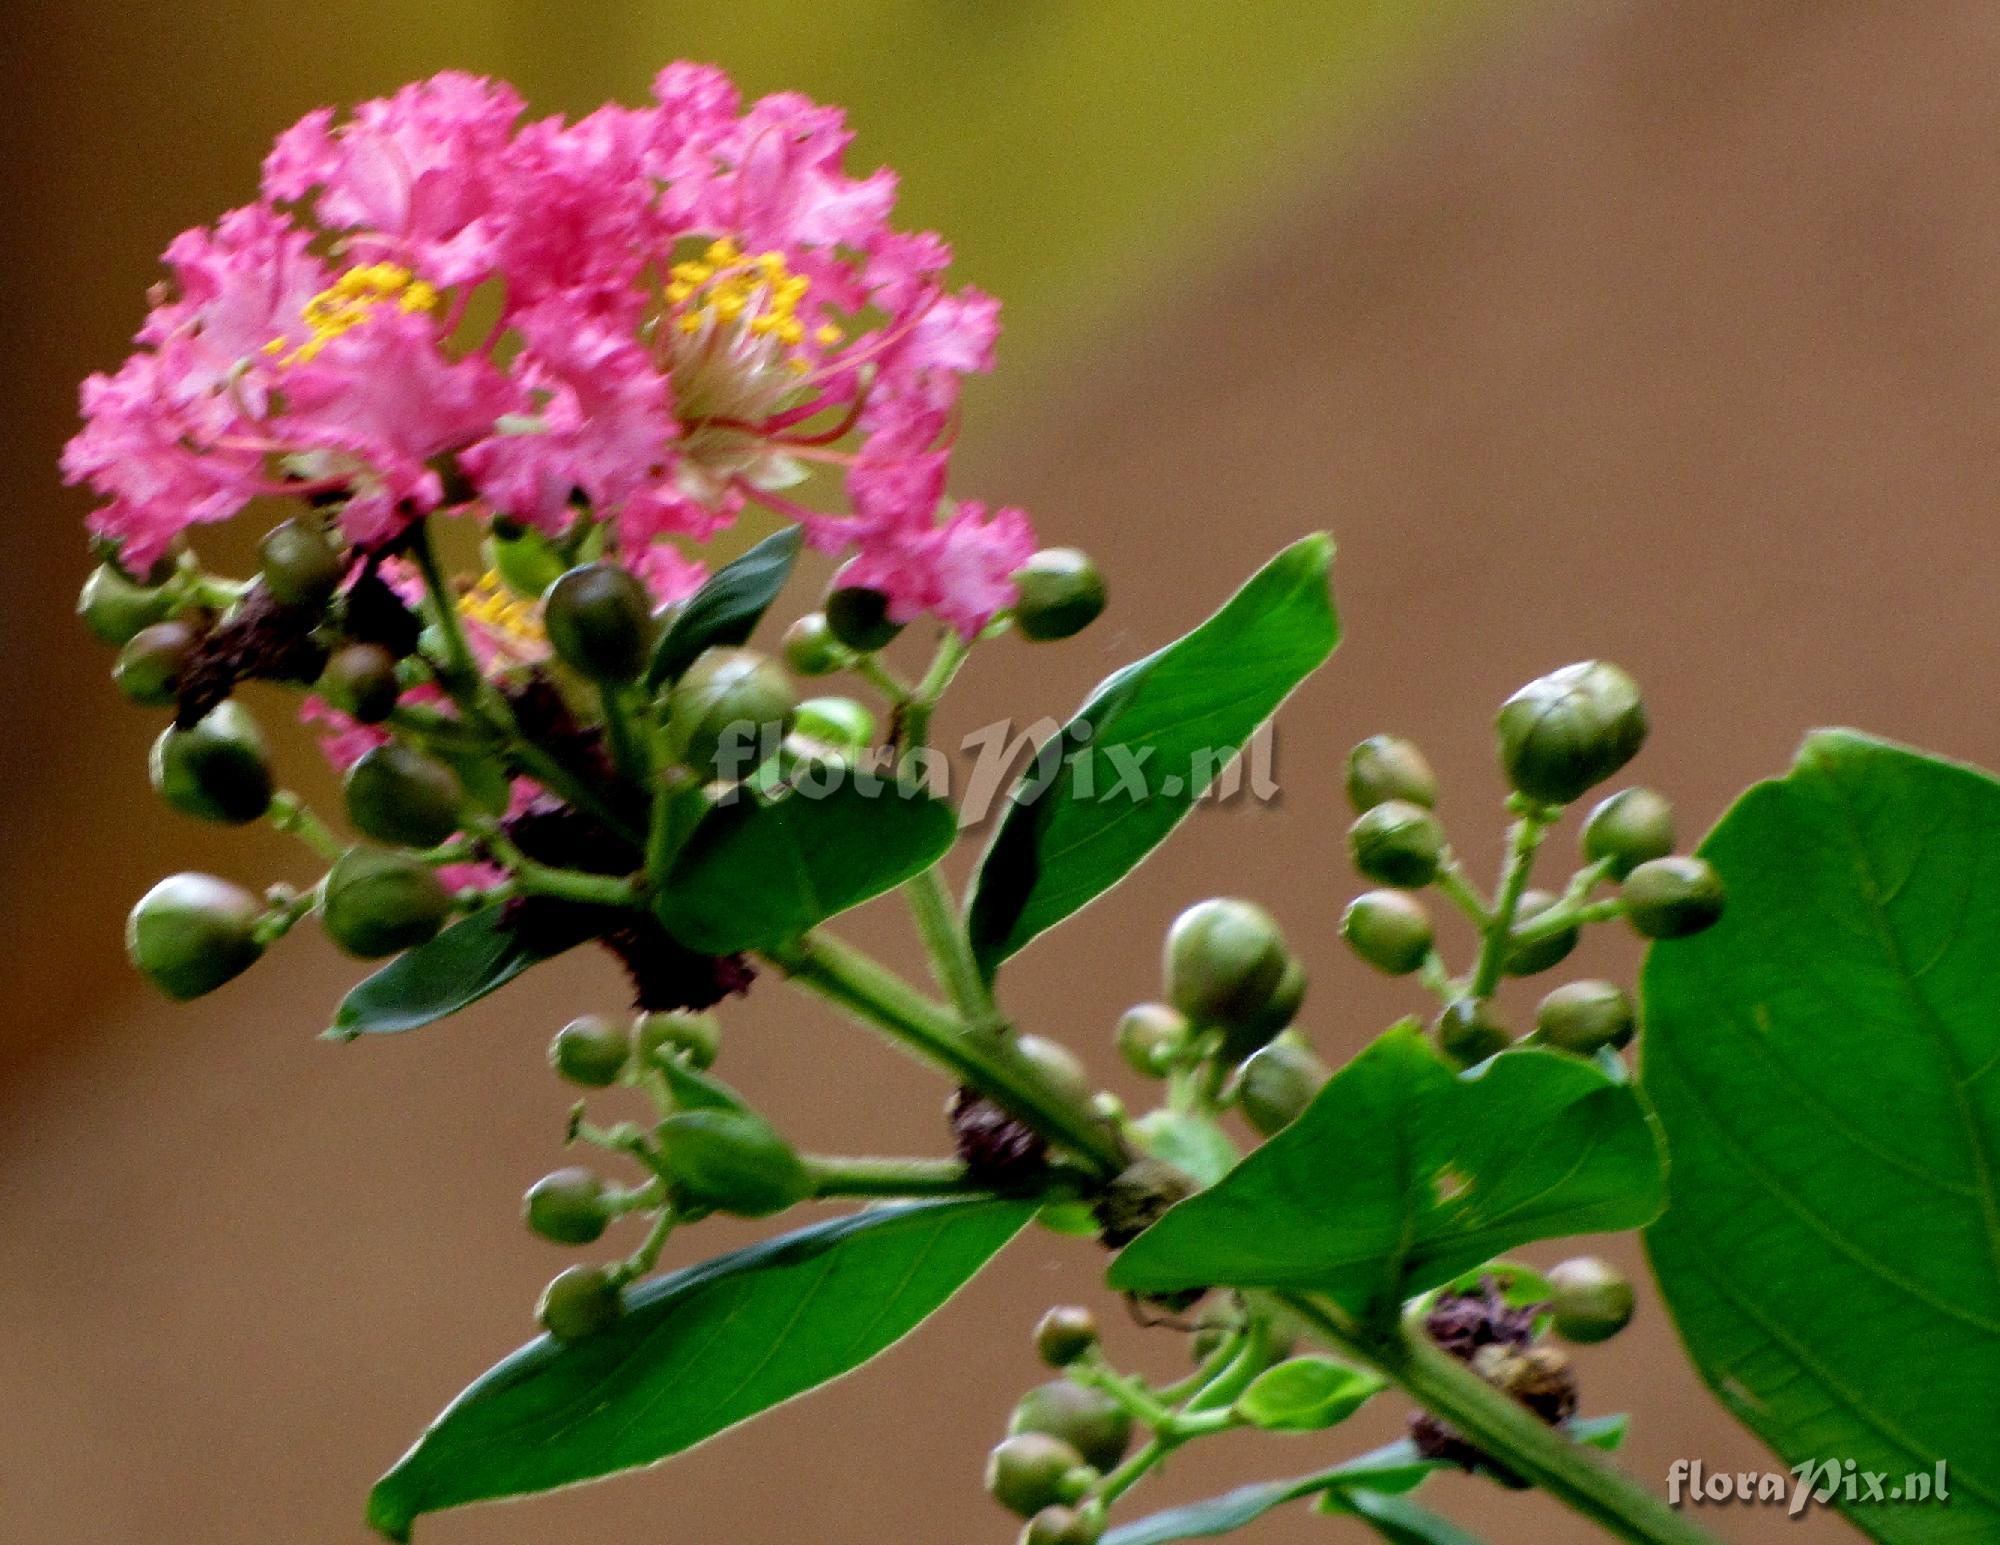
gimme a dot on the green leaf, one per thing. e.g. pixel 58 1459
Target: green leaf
pixel 1189 1141
pixel 727 608
pixel 1401 1174
pixel 756 874
pixel 1074 827
pixel 1826 1064
pixel 697 1352
pixel 459 967
pixel 1404 1522
pixel 1304 1394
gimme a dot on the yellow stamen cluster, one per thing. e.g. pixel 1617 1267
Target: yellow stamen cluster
pixel 491 605
pixel 350 300
pixel 760 291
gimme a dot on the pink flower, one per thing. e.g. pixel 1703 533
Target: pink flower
pixel 960 571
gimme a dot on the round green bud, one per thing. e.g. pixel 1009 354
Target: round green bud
pixel 1056 1066
pixel 567 1207
pixel 1591 1299
pixel 1632 827
pixel 726 708
pixel 695 1038
pixel 1280 1010
pixel 591 1051
pixel 582 1301
pixel 1586 1017
pixel 858 618
pixel 1389 929
pixel 1224 962
pixel 1149 1036
pixel 399 795
pixel 115 607
pixel 150 665
pixel 1570 730
pixel 301 565
pixel 599 622
pixel 215 770
pixel 1065 1334
pixel 1061 594
pixel 1386 767
pixel 731 1161
pixel 360 680
pixel 1090 1422
pixel 1467 1034
pixel 1671 898
pixel 839 722
pixel 1062 1526
pixel 526 561
pixel 1397 843
pixel 1025 1474
pixel 1528 957
pixel 1279 1082
pixel 378 903
pixel 192 932
pixel 811 649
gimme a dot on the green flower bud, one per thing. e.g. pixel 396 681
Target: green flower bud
pixel 811 649
pixel 1386 767
pixel 567 1207
pixel 192 932
pixel 1065 1334
pixel 1391 930
pixel 733 1162
pixel 378 903
pixel 1224 962
pixel 859 618
pixel 1586 1017
pixel 1528 957
pixel 399 795
pixel 1056 1066
pixel 582 1301
pixel 1397 843
pixel 1278 1013
pixel 839 722
pixel 1632 827
pixel 150 665
pixel 360 680
pixel 1025 1474
pixel 1671 898
pixel 216 770
pixel 681 1033
pixel 1591 1299
pixel 115 608
pixel 1061 594
pixel 526 561
pixel 1090 1422
pixel 1149 1037
pixel 727 705
pixel 1279 1082
pixel 591 1051
pixel 599 622
pixel 1062 1526
pixel 1566 732
pixel 1468 1035
pixel 301 565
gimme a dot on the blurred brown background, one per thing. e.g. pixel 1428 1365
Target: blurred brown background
pixel 1658 329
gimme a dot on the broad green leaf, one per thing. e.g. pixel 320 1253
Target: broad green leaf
pixel 1076 825
pixel 1402 1521
pixel 1402 1174
pixel 697 1352
pixel 459 967
pixel 756 874
pixel 727 608
pixel 1304 1394
pixel 1826 1065
pixel 1189 1141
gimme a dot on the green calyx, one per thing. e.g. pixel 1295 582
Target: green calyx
pixel 591 1051
pixel 115 607
pixel 695 1038
pixel 1397 843
pixel 1065 1334
pixel 1150 1036
pixel 599 622
pixel 1671 898
pixel 731 1162
pixel 1028 1472
pixel 1586 1018
pixel 215 770
pixel 1468 1035
pixel 1386 767
pixel 567 1207
pixel 729 708
pixel 360 680
pixel 377 903
pixel 151 664
pixel 1591 1298
pixel 299 562
pixel 580 1302
pixel 1278 1083
pixel 836 722
pixel 811 649
pixel 1566 732
pixel 1089 1421
pixel 1060 594
pixel 399 795
pixel 192 932
pixel 1060 1525
pixel 1632 827
pixel 1531 956
pixel 858 618
pixel 1390 929
pixel 1225 961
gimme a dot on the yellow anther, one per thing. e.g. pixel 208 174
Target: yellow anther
pixel 350 300
pixel 826 335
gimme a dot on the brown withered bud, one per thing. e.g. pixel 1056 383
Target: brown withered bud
pixel 261 640
pixel 1462 1323
pixel 998 1150
pixel 1137 1199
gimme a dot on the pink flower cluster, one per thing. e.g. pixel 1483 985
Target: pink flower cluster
pixel 654 314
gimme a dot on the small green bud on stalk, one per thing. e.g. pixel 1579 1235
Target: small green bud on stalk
pixel 1530 956
pixel 567 1207
pixel 1061 594
pixel 731 1161
pixel 215 770
pixel 580 1302
pixel 1568 731
pixel 1632 827
pixel 1089 1421
pixel 526 561
pixel 1591 1299
pixel 1397 843
pixel 1386 767
pixel 399 795
pixel 1278 1013
pixel 1062 1526
pixel 1468 1035
pixel 1150 1035
pixel 1056 1066
pixel 300 563
pixel 1586 1017
pixel 811 649
pixel 1065 1334
pixel 192 932
pixel 115 607
pixel 591 1051
pixel 858 618
pixel 681 1033
pixel 378 903
pixel 150 665
pixel 1025 1474
pixel 1278 1083
pixel 1671 898
pixel 360 680
pixel 1225 960
pixel 726 707
pixel 839 722
pixel 599 622
pixel 1390 929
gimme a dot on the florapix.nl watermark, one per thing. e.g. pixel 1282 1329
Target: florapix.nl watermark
pixel 1814 1483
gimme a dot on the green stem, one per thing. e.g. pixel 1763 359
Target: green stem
pixel 952 962
pixel 922 700
pixel 878 675
pixel 1499 931
pixel 290 814
pixel 463 671
pixel 600 890
pixel 889 1177
pixel 1562 919
pixel 679 803
pixel 1452 881
pixel 629 752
